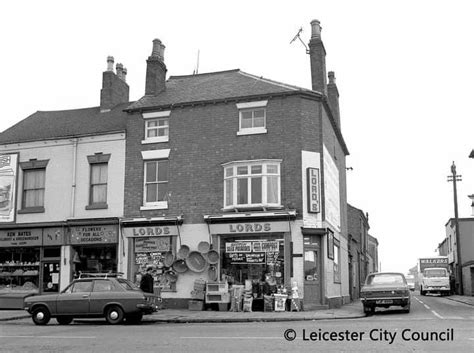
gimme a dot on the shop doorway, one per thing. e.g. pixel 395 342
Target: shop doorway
pixel 50 276
pixel 312 272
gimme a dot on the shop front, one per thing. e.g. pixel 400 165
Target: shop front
pixel 255 255
pixel 94 247
pixel 30 263
pixel 152 243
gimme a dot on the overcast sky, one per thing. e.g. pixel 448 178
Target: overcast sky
pixel 404 70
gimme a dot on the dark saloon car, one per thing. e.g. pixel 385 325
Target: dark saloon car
pixel 385 289
pixel 114 298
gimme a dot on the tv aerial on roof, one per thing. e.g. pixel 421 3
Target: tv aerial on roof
pixel 297 36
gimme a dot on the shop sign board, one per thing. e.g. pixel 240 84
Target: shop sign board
pixel 53 236
pixel 154 231
pixel 238 247
pixel 95 234
pixel 21 237
pixel 8 177
pixel 313 189
pixel 247 258
pixel 152 244
pixel 249 227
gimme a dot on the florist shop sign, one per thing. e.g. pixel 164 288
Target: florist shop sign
pixel 96 234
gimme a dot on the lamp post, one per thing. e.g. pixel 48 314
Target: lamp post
pixel 454 178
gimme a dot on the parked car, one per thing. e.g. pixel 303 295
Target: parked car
pixel 385 289
pixel 114 298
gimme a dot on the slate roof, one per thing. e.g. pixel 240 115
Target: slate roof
pixel 213 86
pixel 46 125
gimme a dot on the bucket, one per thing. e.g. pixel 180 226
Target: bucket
pixel 180 266
pixel 213 257
pixel 183 252
pixel 212 273
pixel 171 276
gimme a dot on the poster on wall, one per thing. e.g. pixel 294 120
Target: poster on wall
pixel 8 175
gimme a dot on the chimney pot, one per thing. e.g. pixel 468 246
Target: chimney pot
pixel 119 68
pixel 110 63
pixel 162 52
pixel 156 48
pixel 315 29
pixel 124 74
pixel 332 77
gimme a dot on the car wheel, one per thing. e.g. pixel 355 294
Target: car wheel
pixel 64 320
pixel 41 315
pixel 135 319
pixel 114 315
pixel 369 310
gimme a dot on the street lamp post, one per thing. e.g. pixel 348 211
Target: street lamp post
pixel 454 178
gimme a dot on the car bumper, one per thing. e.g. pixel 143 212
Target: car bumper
pixel 399 301
pixel 434 288
pixel 147 308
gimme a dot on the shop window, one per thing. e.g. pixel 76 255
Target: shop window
pixel 98 180
pixel 252 118
pixel 153 252
pixel 337 261
pixel 252 183
pixel 258 263
pixel 94 259
pixel 19 270
pixel 156 183
pixel 34 174
pixel 156 127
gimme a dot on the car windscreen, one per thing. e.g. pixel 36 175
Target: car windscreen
pixel 439 272
pixel 385 279
pixel 125 283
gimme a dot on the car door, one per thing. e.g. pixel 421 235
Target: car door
pixel 103 292
pixel 75 300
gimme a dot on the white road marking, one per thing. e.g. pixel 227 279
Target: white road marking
pixel 426 306
pixel 65 337
pixel 436 314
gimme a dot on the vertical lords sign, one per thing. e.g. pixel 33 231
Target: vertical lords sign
pixel 8 174
pixel 313 189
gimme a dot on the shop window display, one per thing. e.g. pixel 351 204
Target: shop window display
pixel 95 259
pixel 257 264
pixel 19 270
pixel 155 252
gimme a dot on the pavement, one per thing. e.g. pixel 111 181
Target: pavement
pixel 348 311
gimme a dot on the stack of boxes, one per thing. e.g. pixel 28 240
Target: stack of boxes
pixel 218 292
pixel 198 295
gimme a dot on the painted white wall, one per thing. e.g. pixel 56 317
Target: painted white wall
pixel 59 176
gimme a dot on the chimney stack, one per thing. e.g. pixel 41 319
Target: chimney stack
pixel 333 98
pixel 156 70
pixel 317 55
pixel 114 88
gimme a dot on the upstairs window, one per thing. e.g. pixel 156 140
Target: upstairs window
pixel 252 184
pixel 156 182
pixel 252 118
pixel 99 170
pixel 34 181
pixel 156 127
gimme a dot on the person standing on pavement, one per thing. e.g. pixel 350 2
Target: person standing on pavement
pixel 146 283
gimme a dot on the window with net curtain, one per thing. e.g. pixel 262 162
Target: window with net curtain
pixel 33 187
pixel 98 190
pixel 252 183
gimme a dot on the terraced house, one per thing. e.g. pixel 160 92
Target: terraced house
pixel 225 177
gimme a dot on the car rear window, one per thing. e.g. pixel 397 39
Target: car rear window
pixel 127 284
pixel 385 279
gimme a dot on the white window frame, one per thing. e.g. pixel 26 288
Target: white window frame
pixel 252 106
pixel 149 156
pixel 156 116
pixel 264 175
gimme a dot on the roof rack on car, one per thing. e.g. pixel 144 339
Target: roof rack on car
pixel 98 274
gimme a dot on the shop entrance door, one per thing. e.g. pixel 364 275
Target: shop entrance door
pixel 50 276
pixel 312 272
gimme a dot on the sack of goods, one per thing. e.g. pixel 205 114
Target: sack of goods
pixel 247 307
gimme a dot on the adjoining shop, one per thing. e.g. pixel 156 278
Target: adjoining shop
pixel 30 262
